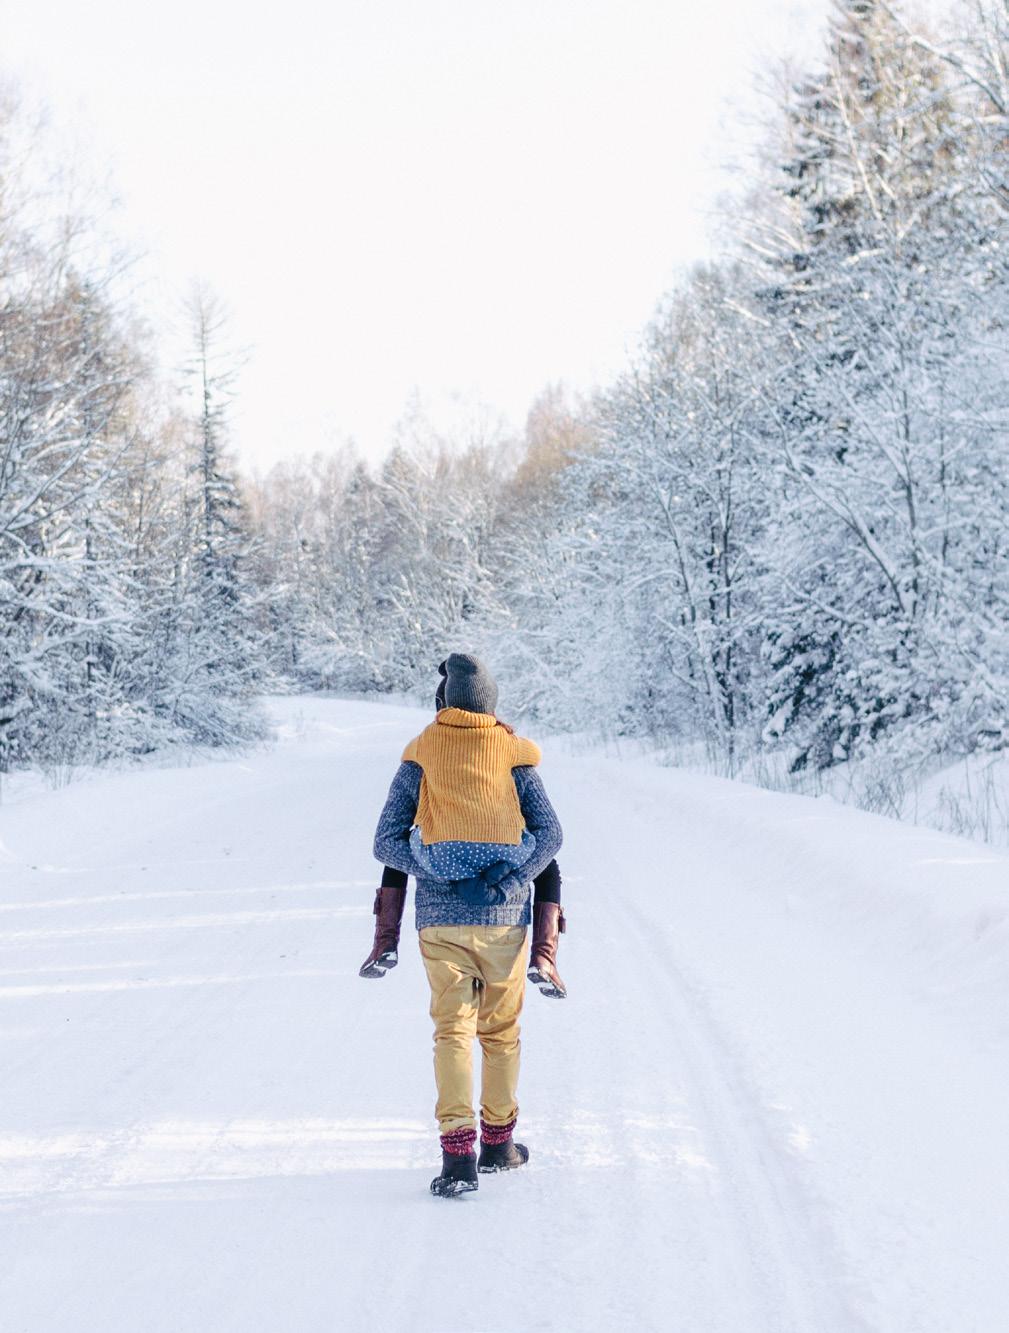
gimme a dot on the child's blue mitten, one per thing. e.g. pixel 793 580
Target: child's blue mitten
pixel 495 873
pixel 488 888
pixel 477 893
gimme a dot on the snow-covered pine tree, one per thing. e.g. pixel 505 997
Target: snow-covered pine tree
pixel 214 658
pixel 873 299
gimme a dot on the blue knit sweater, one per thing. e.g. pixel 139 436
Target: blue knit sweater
pixel 437 903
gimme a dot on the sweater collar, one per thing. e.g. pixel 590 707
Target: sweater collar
pixel 459 717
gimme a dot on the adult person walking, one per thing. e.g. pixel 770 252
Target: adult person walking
pixel 469 786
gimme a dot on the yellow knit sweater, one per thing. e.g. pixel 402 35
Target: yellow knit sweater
pixel 466 791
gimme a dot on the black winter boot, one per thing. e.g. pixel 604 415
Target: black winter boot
pixel 502 1156
pixel 458 1175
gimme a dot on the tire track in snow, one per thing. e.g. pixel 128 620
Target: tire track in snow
pixel 795 1271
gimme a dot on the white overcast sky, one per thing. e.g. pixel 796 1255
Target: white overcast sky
pixel 464 197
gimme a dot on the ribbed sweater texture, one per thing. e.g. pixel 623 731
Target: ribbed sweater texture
pixel 467 793
pixel 437 903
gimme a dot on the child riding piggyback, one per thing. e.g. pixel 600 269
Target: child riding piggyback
pixel 469 826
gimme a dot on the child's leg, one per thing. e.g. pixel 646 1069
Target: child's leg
pixel 547 884
pixel 548 926
pixel 388 910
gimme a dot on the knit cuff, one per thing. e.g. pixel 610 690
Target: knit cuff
pixel 460 1142
pixel 495 1134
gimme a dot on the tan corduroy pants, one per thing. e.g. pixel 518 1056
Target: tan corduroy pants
pixel 477 976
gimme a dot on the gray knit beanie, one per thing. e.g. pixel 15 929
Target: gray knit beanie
pixel 439 694
pixel 469 685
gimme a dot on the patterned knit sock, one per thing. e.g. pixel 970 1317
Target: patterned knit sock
pixel 459 1142
pixel 494 1134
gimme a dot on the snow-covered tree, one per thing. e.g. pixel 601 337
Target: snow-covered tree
pixel 215 653
pixel 876 297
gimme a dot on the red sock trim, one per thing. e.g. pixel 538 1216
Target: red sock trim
pixel 495 1134
pixel 459 1142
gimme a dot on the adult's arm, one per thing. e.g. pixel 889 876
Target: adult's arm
pixel 392 837
pixel 541 821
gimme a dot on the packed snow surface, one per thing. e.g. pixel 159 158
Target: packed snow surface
pixel 776 1099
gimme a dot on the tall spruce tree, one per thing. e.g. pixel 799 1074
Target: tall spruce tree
pixel 216 649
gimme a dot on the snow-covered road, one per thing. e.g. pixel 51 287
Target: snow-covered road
pixel 777 1098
